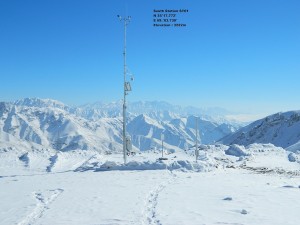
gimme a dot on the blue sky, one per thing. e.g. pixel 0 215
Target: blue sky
pixel 240 55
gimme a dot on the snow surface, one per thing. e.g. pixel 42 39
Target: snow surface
pixel 85 187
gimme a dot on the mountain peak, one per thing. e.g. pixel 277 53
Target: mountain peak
pixel 40 103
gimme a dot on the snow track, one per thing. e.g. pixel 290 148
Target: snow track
pixel 44 199
pixel 150 214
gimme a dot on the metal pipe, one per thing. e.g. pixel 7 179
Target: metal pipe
pixel 124 99
pixel 196 150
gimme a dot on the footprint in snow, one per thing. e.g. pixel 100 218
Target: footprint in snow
pixel 288 186
pixel 244 212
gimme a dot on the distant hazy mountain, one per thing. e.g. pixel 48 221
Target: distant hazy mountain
pixel 281 129
pixel 158 110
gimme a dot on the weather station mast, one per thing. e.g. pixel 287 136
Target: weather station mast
pixel 127 146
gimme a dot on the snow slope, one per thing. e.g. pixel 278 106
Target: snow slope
pixel 281 129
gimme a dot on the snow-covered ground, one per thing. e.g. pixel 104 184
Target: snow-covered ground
pixel 83 187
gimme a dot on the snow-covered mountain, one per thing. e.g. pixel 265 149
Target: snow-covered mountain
pixel 51 124
pixel 146 132
pixel 41 103
pixel 280 129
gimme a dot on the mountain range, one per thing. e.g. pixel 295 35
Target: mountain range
pixel 46 123
pixel 52 124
